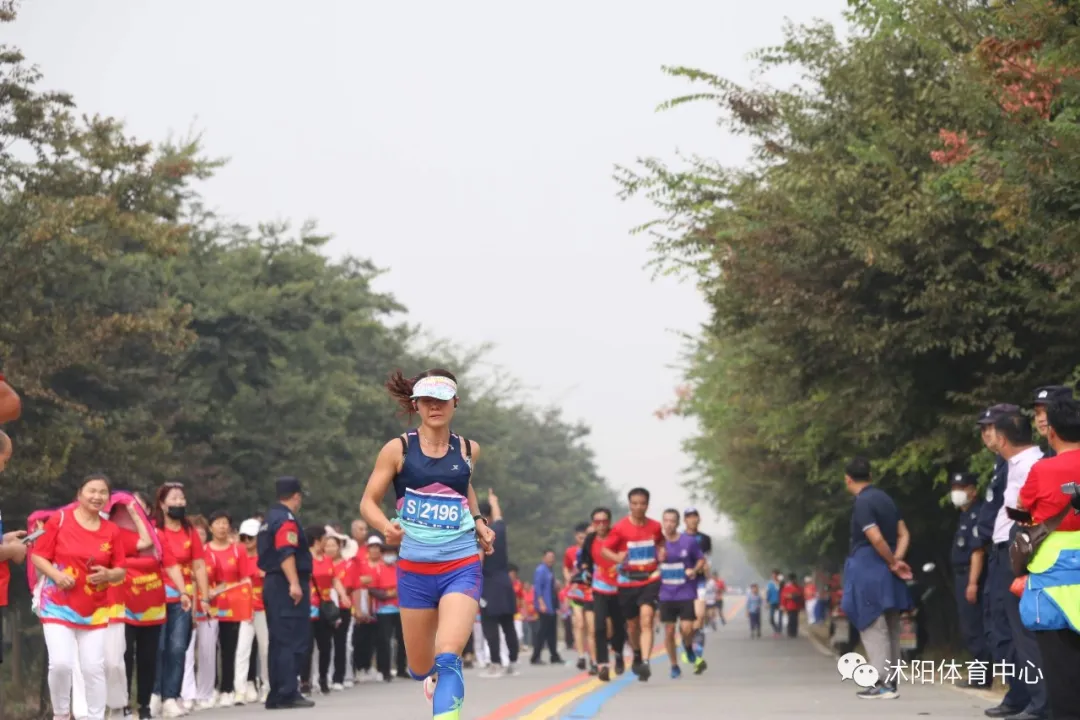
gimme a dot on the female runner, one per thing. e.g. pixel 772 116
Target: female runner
pixel 438 567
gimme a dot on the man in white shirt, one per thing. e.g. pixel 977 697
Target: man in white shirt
pixel 1015 444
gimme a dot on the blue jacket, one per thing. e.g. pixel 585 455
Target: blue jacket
pixel 544 585
pixel 772 593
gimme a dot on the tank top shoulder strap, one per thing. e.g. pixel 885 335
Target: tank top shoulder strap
pixel 404 438
pixel 468 447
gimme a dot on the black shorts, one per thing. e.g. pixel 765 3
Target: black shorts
pixel 632 599
pixel 588 605
pixel 676 610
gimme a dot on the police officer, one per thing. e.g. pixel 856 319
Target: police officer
pixel 1043 397
pixel 285 557
pixel 968 560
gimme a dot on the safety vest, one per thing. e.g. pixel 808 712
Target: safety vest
pixel 1051 599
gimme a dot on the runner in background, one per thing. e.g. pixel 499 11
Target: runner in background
pixel 710 604
pixel 575 593
pixel 678 592
pixel 721 587
pixel 753 610
pixel 610 627
pixel 636 544
pixel 704 542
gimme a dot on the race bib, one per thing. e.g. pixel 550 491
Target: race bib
pixel 443 512
pixel 673 573
pixel 640 552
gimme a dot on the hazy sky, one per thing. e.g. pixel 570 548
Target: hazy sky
pixel 476 137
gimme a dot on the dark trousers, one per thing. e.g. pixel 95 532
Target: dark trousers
pixel 140 655
pixel 792 623
pixel 1025 648
pixel 323 635
pixel 172 646
pixel 363 644
pixel 491 626
pixel 341 642
pixel 972 628
pixel 546 636
pixel 290 637
pixel 776 618
pixel 755 623
pixel 605 607
pixel 390 629
pixel 1060 651
pixel 253 666
pixel 228 639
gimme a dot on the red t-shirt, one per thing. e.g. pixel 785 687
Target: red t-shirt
pixel 185 547
pixel 1041 494
pixel 229 566
pixel 252 571
pixel 341 571
pixel 384 578
pixel 721 586
pixel 5 579
pixel 322 577
pixel 143 601
pixel 519 595
pixel 358 576
pixel 791 597
pixel 641 565
pixel 570 558
pixel 605 574
pixel 73 549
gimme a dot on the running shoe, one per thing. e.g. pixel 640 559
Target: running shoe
pixel 675 672
pixel 700 666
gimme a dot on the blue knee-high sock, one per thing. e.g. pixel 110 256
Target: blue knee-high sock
pixel 450 689
pixel 414 676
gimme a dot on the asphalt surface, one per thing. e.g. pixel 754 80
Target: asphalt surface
pixel 751 679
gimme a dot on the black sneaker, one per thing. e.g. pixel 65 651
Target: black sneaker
pixel 604 674
pixel 592 669
pixel 581 663
pixel 620 665
pixel 144 713
pixel 644 672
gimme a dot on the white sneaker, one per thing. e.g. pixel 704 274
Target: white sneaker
pixel 491 671
pixel 204 705
pixel 171 709
pixel 188 706
pixel 429 686
pixel 155 706
pixel 337 686
pixel 250 693
pixel 264 694
pixel 226 700
pixel 215 698
pixel 350 683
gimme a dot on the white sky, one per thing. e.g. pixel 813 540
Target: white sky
pixel 478 138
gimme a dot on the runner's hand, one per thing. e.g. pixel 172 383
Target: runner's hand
pixel 972 593
pixel 901 570
pixel 394 534
pixel 486 536
pixel 295 593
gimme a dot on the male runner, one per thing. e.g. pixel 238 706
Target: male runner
pixel 693 519
pixel 636 544
pixel 678 590
pixel 608 627
pixel 576 596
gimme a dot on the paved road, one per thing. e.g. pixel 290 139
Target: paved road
pixel 750 679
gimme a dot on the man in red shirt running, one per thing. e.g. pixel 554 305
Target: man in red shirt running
pixel 636 544
pixel 576 595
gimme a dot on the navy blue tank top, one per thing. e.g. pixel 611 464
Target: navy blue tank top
pixel 433 503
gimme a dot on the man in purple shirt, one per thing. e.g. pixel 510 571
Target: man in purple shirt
pixel 678 591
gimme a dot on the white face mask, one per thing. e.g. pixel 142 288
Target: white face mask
pixel 779 578
pixel 959 497
pixel 389 557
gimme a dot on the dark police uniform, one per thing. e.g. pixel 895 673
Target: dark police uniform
pixel 965 543
pixel 280 537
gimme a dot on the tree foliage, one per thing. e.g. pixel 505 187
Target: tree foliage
pixel 153 340
pixel 898 253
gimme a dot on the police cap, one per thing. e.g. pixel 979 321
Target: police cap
pixel 963 479
pixel 992 413
pixel 287 486
pixel 1050 393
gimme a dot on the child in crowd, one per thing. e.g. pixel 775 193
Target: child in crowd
pixel 753 610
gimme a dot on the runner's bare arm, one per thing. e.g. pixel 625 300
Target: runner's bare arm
pixel 903 539
pixel 10 404
pixel 387 466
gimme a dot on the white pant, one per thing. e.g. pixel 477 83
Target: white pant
pixel 70 648
pixel 483 654
pixel 249 631
pixel 199 681
pixel 116 692
pixel 349 670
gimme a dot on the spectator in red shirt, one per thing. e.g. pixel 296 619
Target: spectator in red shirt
pixel 1050 604
pixel 79 555
pixel 254 634
pixel 791 601
pixel 12 549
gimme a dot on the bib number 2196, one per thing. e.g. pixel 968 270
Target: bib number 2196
pixel 444 513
